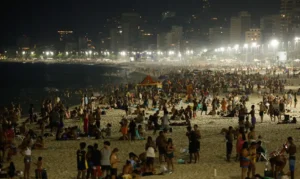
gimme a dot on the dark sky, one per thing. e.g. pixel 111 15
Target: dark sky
pixel 40 18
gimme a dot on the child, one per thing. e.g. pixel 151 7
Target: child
pixel 247 124
pixel 39 169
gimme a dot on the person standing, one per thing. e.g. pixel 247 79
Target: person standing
pixel 291 150
pixel 161 143
pixel 96 161
pixel 30 111
pixel 105 158
pixel 27 160
pixel 114 161
pixel 229 145
pixel 81 161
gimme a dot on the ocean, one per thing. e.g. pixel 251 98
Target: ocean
pixel 27 83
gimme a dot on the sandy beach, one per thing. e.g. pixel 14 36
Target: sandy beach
pixel 60 156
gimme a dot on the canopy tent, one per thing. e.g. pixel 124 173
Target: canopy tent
pixel 148 81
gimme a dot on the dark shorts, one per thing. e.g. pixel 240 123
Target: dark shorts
pixel 261 113
pixel 105 167
pixel 276 113
pixel 170 155
pixel 150 160
pixel 114 171
pixel 193 147
pixel 162 150
pixel 27 159
pixel 81 166
pixel 228 148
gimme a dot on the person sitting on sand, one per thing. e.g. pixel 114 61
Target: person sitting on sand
pixel 141 131
pixel 127 170
pixel 39 143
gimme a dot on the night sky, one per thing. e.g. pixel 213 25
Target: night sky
pixel 41 18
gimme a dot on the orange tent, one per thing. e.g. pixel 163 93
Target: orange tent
pixel 148 81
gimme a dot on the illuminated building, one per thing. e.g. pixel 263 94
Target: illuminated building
pixel 253 35
pixel 64 34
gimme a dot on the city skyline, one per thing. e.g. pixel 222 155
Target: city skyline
pixel 48 17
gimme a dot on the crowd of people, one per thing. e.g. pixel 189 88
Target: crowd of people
pixel 179 105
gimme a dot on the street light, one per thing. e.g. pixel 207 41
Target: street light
pixel 274 43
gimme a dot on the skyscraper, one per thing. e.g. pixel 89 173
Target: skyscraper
pixel 290 19
pixel 239 26
pixel 270 27
pixel 130 30
pixel 205 6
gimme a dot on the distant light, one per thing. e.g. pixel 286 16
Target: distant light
pixel 274 43
pixel 23 52
pixel 222 49
pixel 51 53
pixel 47 53
pixel 67 53
pixel 123 53
pixel 131 59
pixel 90 52
pixel 205 50
pixel 179 54
pixel 254 44
pixel 246 46
pixel 32 53
pixel 171 52
pixel 236 47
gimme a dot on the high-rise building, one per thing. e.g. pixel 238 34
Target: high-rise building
pixel 130 30
pixel 270 27
pixel 23 42
pixel 167 14
pixel 205 6
pixel 253 35
pixel 290 19
pixel 235 30
pixel 115 40
pixel 170 40
pixel 63 35
pixel 218 36
pixel 238 27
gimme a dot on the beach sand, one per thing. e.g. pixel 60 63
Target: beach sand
pixel 60 156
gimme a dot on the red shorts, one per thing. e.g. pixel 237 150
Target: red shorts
pixel 97 171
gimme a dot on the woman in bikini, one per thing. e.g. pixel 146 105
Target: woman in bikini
pixel 170 155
